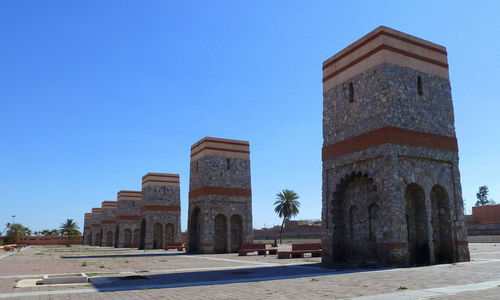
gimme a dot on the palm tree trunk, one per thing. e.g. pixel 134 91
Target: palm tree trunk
pixel 281 231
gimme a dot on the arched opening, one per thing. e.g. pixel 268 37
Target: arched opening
pixel 117 235
pixel 194 230
pixel 109 239
pixel 89 239
pixel 158 236
pixel 135 240
pixel 142 235
pixel 416 224
pixel 98 239
pixel 441 225
pixel 169 233
pixel 220 234
pixel 354 206
pixel 127 238
pixel 236 225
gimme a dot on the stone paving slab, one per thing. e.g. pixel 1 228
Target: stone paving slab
pixel 228 276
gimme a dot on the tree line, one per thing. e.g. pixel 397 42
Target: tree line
pixel 16 232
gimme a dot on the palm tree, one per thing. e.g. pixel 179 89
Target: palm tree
pixel 286 206
pixel 69 228
pixel 16 233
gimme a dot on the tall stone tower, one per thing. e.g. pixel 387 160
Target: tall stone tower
pixel 87 229
pixel 160 210
pixel 95 227
pixel 108 223
pixel 128 219
pixel 391 184
pixel 220 196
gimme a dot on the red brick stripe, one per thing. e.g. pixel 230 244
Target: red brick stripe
pixel 160 208
pixel 96 225
pixel 242 143
pixel 220 191
pixel 388 48
pixel 160 181
pixel 392 135
pixel 128 217
pixel 376 36
pixel 219 149
pixel 108 222
pixel 392 245
pixel 462 243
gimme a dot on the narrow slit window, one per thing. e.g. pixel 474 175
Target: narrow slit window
pixel 419 85
pixel 228 164
pixel 351 92
pixel 196 166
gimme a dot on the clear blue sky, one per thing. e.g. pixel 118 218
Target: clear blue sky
pixel 94 94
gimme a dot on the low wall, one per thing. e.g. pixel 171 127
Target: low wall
pixel 488 214
pixel 484 239
pixel 312 232
pixel 51 240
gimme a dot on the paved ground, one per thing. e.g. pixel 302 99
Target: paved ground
pixel 134 274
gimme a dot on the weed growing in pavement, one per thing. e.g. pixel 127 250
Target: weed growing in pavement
pixel 314 279
pixel 84 264
pixel 402 288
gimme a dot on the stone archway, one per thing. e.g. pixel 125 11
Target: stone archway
pixel 195 230
pixel 236 227
pixel 220 234
pixel 416 224
pixel 169 233
pixel 354 215
pixel 127 238
pixel 441 225
pixel 158 236
pixel 98 239
pixel 109 239
pixel 142 235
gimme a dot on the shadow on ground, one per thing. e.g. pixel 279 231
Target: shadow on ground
pixel 186 279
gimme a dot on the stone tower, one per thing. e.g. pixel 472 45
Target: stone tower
pixel 220 196
pixel 160 210
pixel 391 183
pixel 128 219
pixel 108 223
pixel 87 229
pixel 95 227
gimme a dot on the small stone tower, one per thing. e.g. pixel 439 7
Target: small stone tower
pixel 95 225
pixel 128 219
pixel 160 210
pixel 391 183
pixel 108 223
pixel 87 229
pixel 220 196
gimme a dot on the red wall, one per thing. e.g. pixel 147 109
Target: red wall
pixel 488 214
pixel 51 240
